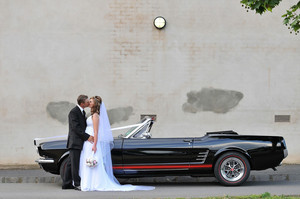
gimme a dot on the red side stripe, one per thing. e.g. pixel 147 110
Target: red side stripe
pixel 201 166
pixel 163 166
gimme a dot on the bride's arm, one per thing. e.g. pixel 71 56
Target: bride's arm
pixel 95 127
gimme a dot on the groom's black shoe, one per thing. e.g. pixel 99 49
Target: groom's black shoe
pixel 67 187
pixel 78 188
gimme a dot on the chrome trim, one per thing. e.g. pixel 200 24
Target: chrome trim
pixel 38 141
pixel 138 126
pixel 201 157
pixel 45 161
pixel 278 144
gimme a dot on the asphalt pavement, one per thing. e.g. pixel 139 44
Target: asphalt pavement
pixel 162 191
pixel 35 183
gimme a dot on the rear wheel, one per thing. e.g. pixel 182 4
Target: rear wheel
pixel 232 169
pixel 62 168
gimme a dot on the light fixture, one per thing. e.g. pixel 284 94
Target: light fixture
pixel 159 22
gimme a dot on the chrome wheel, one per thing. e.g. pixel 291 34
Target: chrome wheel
pixel 232 169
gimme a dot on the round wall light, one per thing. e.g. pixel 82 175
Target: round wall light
pixel 159 22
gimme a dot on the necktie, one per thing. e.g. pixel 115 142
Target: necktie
pixel 83 112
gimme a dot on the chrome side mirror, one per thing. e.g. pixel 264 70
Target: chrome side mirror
pixel 146 135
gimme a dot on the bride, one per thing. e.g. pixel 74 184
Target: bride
pixel 100 178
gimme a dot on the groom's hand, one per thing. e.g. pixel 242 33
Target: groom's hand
pixel 91 139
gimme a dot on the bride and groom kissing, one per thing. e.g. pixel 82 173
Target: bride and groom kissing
pixel 87 138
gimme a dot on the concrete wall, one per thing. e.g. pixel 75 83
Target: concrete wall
pixel 214 67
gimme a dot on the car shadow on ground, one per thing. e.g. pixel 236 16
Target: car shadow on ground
pixel 203 184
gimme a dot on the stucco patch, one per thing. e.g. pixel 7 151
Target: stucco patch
pixel 119 114
pixel 60 110
pixel 211 99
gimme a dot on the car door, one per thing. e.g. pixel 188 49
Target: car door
pixel 156 156
pixel 201 158
pixel 117 157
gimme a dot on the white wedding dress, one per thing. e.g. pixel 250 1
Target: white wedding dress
pixel 101 178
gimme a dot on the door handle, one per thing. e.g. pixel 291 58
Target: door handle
pixel 188 140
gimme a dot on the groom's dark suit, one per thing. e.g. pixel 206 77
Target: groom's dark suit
pixel 76 137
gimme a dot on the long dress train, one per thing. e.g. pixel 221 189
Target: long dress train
pixel 101 178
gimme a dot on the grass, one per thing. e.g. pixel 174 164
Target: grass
pixel 262 196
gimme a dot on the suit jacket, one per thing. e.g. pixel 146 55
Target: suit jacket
pixel 77 125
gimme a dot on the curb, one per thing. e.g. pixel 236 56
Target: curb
pixel 285 173
pixel 30 180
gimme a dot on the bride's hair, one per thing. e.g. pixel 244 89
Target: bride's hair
pixel 97 103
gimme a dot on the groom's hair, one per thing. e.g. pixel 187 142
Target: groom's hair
pixel 81 99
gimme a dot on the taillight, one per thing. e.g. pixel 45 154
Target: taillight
pixel 284 144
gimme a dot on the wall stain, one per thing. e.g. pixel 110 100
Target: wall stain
pixel 119 114
pixel 211 99
pixel 60 110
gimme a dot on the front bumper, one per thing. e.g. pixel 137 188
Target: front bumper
pixel 45 161
pixel 49 165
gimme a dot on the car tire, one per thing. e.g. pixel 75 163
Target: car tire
pixel 63 167
pixel 232 169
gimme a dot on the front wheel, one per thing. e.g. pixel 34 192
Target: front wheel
pixel 232 169
pixel 62 168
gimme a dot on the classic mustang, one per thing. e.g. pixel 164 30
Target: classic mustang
pixel 226 155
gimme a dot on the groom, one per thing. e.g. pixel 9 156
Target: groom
pixel 76 137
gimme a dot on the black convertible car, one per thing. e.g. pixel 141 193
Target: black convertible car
pixel 226 155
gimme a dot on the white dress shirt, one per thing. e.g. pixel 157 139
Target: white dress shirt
pixel 81 109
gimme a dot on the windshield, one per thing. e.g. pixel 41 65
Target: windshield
pixel 140 133
pixel 129 131
pixel 134 128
